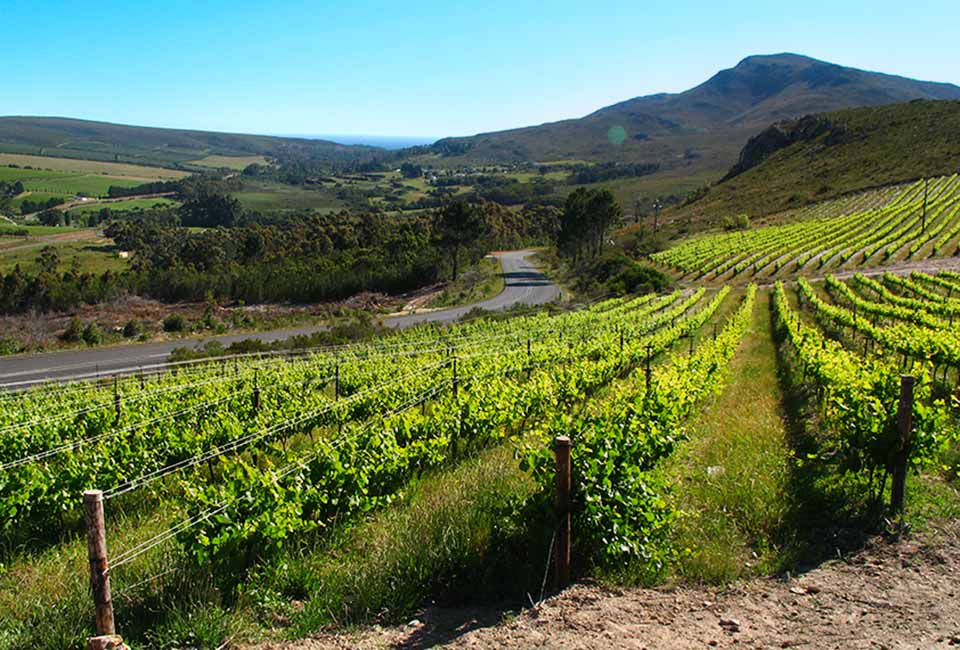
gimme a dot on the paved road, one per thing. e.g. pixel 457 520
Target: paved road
pixel 523 284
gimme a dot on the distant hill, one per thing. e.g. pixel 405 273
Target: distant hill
pixel 704 127
pixel 818 157
pixel 69 138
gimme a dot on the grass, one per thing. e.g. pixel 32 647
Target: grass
pixel 33 231
pixel 132 204
pixel 93 256
pixel 732 475
pixel 238 163
pixel 446 537
pixel 91 167
pixel 862 148
pixel 274 196
pixel 480 282
pixel 37 197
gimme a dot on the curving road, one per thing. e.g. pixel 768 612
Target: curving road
pixel 523 283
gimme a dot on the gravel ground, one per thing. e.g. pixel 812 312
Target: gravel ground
pixel 889 595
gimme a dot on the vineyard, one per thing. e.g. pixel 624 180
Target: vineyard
pixel 214 474
pixel 872 229
pixel 243 456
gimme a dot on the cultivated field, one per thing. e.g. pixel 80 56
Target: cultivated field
pixel 75 165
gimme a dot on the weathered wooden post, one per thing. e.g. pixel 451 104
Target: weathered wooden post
pixel 621 342
pixel 714 331
pixel 116 398
pixel 97 553
pixel 564 484
pixel 647 370
pixel 456 379
pixel 336 382
pixel 256 391
pixel 902 449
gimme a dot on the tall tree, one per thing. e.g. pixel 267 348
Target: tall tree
pixel 588 215
pixel 457 226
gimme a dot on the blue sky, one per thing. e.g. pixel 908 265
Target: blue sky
pixel 423 68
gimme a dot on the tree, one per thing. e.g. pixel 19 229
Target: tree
pixel 48 260
pixel 209 210
pixel 51 217
pixel 457 225
pixel 409 170
pixel 588 215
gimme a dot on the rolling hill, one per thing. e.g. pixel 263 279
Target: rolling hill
pixel 702 128
pixel 822 156
pixel 70 138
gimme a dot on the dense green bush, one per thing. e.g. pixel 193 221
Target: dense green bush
pixel 132 329
pixel 175 323
pixel 92 334
pixel 74 331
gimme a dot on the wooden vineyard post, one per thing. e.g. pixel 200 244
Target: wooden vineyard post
pixel 691 343
pixel 456 379
pixel 621 342
pixel 714 331
pixel 116 397
pixel 97 552
pixel 141 378
pixel 902 449
pixel 336 382
pixel 256 391
pixel 647 369
pixel 564 483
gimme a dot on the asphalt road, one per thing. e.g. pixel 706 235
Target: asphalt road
pixel 523 283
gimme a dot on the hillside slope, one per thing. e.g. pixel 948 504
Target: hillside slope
pixel 70 138
pixel 823 156
pixel 704 127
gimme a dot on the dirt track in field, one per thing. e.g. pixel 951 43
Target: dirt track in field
pixel 889 595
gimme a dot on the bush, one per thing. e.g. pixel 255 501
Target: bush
pixel 132 329
pixel 9 345
pixel 639 279
pixel 92 334
pixel 740 222
pixel 74 331
pixel 175 323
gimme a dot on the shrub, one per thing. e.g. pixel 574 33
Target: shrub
pixel 92 334
pixel 175 323
pixel 132 329
pixel 74 331
pixel 639 279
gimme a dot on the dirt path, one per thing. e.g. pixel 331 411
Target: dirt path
pixel 890 595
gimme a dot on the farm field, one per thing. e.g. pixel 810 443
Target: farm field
pixel 78 166
pixel 261 457
pixel 129 204
pixel 879 228
pixel 401 400
pixel 239 163
pixel 93 254
pixel 275 196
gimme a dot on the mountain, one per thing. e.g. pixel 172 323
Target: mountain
pixel 823 156
pixel 69 138
pixel 704 127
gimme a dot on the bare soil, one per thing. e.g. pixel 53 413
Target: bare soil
pixel 893 595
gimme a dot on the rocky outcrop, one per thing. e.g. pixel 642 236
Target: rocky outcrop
pixel 782 135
